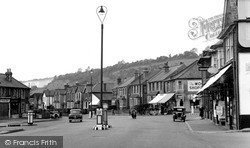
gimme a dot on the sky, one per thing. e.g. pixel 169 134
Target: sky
pixel 45 38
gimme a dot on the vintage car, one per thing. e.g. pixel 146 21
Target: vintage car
pixel 179 113
pixel 75 115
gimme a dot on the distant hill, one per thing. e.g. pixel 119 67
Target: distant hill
pixel 122 69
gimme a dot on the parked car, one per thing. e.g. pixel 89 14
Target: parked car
pixel 179 113
pixel 75 115
pixel 54 114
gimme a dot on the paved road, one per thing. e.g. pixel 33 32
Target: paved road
pixel 143 132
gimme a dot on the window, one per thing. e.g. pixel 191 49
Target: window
pixel 229 47
pixel 152 85
pixel 179 84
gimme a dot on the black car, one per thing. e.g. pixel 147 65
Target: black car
pixel 179 113
pixel 75 115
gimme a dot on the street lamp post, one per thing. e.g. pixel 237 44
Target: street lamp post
pixel 101 13
pixel 91 72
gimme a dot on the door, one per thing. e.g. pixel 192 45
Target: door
pixel 4 110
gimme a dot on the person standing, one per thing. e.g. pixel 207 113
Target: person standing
pixel 202 112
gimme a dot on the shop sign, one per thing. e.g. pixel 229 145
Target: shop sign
pixel 212 70
pixel 194 85
pixel 219 110
pixel 203 68
pixel 244 79
pixel 105 105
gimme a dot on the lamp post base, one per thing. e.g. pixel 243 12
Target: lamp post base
pixel 107 126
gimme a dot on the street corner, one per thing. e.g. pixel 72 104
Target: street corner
pixel 245 130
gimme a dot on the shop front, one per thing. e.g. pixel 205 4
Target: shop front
pixel 219 103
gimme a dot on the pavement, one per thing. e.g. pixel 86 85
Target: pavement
pixel 194 123
pixel 16 125
pixel 197 125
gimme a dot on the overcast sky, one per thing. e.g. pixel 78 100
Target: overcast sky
pixel 44 38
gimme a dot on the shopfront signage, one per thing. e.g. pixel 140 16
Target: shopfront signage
pixel 203 68
pixel 194 85
pixel 244 79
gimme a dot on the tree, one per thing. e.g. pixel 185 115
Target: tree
pixel 194 50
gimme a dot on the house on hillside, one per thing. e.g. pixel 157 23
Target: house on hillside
pixel 156 85
pixel 185 83
pixel 36 99
pixel 14 96
pixel 138 87
pixel 48 97
pixel 122 94
pixel 107 92
pixel 60 99
pixel 79 96
pixel 69 97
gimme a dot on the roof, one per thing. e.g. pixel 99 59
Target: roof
pixel 189 72
pixel 163 75
pixel 60 91
pixel 205 58
pixel 49 93
pixel 104 96
pixel 81 88
pixel 217 45
pixel 14 83
pixel 97 87
pixel 127 82
pixel 146 78
pixel 69 90
pixel 37 91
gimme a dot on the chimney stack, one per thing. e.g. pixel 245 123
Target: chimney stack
pixel 136 74
pixel 119 81
pixel 166 67
pixel 66 86
pixel 8 75
pixel 145 72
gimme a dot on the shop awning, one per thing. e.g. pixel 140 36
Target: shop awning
pixel 166 98
pixel 214 79
pixel 161 98
pixel 95 100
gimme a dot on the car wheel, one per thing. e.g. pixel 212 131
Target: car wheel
pixel 174 119
pixel 70 121
pixel 80 120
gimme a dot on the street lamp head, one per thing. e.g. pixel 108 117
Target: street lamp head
pixel 101 12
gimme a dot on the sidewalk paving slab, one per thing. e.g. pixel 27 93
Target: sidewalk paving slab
pixel 197 125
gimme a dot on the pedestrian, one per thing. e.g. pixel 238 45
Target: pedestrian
pixel 202 112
